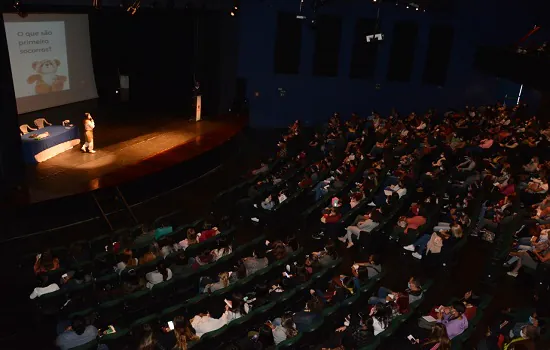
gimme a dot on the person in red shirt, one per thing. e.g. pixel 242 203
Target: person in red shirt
pixel 330 216
pixel 306 181
pixel 208 232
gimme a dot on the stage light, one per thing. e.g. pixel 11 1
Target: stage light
pixel 417 9
pixel 19 9
pixel 232 14
pixel 236 7
pixel 96 4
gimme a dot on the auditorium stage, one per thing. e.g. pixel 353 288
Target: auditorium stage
pixel 126 152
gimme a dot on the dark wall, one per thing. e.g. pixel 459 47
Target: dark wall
pixel 277 99
pixel 155 49
pixel 11 166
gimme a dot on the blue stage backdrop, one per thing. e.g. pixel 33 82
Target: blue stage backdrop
pixel 292 71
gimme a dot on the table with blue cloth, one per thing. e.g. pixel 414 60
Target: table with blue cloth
pixel 60 139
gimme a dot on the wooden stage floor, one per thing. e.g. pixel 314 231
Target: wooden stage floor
pixel 125 153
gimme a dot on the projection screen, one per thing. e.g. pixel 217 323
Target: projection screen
pixel 51 60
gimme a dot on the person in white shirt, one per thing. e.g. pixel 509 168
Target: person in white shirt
pixel 89 126
pixel 381 317
pixel 161 274
pixel 203 323
pixel 283 328
pixel 234 308
pixel 45 289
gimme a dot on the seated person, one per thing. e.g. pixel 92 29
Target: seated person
pixel 208 232
pixel 161 274
pixel 413 292
pixel 331 215
pixel 453 319
pixel 257 261
pixel 538 186
pixel 297 274
pixel 180 264
pixel 533 165
pixel 311 314
pixel 438 339
pixel 469 302
pixel 404 224
pixel 191 239
pixel 530 259
pixel 268 203
pixel 467 166
pixel 45 287
pixel 326 257
pixel 381 315
pixel 359 332
pixel 223 282
pixel 45 262
pixel 428 244
pixel 182 337
pixel 77 334
pixel 167 246
pixel 149 256
pixel 372 265
pixel 283 328
pixel 339 288
pixel 203 323
pixel 363 226
pixel 224 248
pixel 204 258
pixel 235 308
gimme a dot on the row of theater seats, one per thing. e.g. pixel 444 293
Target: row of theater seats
pixel 84 298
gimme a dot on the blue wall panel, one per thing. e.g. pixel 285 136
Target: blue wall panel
pixel 313 99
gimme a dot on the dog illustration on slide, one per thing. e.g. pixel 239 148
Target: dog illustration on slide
pixel 45 78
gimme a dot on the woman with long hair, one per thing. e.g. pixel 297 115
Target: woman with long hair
pixel 235 308
pixel 264 339
pixel 45 262
pixel 381 317
pixel 222 283
pixel 183 332
pixel 148 341
pixel 438 339
pixel 191 239
pixel 284 328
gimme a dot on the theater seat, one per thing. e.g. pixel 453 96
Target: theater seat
pixel 290 344
pixel 372 346
pixel 116 340
pixel 92 345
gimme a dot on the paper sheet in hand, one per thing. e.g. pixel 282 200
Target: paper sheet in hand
pixel 429 318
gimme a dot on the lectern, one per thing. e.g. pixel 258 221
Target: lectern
pixel 198 107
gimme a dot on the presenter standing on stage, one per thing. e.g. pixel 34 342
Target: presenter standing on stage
pixel 89 126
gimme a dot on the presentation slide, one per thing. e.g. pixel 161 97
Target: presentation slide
pixel 50 60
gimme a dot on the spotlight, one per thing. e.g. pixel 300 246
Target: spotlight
pixel 232 14
pixel 19 9
pixel 417 9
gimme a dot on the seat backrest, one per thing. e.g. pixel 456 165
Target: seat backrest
pixel 24 129
pixel 40 122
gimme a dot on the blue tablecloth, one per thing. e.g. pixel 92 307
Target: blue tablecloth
pixel 58 135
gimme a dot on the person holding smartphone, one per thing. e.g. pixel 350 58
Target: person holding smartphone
pixel 78 333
